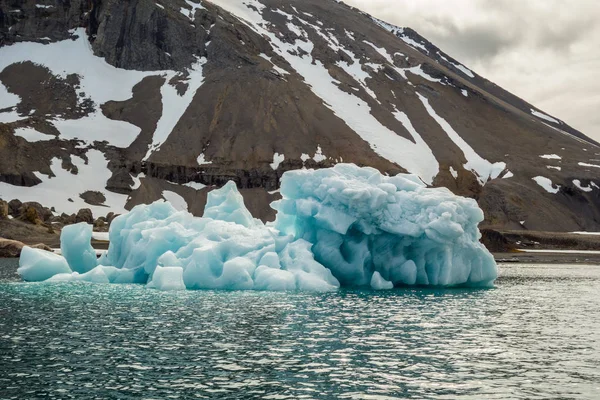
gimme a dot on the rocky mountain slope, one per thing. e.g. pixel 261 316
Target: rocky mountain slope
pixel 106 104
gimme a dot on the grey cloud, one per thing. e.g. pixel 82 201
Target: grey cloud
pixel 545 51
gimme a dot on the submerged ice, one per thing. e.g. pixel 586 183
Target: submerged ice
pixel 342 226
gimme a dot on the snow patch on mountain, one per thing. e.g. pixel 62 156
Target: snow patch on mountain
pixel 482 168
pixel 277 160
pixel 97 127
pixel 62 190
pixel 459 67
pixel 175 105
pixel 454 173
pixel 7 99
pixel 32 135
pixel 589 165
pixel 190 13
pixel 544 116
pixel 175 199
pixel 202 160
pixel 580 186
pixel 351 109
pixel 418 70
pixel 99 81
pixel 547 184
pixel 551 157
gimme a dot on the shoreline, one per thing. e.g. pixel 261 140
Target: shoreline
pixel 516 257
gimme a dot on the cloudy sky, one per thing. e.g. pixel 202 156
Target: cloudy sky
pixel 545 51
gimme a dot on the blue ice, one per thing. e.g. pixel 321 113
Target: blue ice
pixel 342 226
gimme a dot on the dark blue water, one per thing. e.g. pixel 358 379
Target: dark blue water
pixel 537 335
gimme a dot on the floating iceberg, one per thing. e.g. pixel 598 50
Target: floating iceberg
pixel 361 222
pixel 343 226
pixel 76 247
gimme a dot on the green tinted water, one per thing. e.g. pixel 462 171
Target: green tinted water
pixel 537 335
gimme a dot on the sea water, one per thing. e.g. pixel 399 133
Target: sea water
pixel 536 335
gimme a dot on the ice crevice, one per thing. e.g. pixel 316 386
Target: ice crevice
pixel 344 226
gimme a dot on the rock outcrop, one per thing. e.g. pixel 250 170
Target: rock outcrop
pixel 12 248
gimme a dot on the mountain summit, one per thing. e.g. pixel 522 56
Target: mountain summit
pixel 106 104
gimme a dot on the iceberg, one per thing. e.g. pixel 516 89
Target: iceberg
pixel 361 222
pixel 36 265
pixel 76 247
pixel 342 226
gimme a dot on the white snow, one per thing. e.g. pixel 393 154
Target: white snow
pixel 589 165
pixel 195 185
pixel 97 127
pixel 55 191
pixel 174 105
pixel 427 171
pixel 10 116
pixel 459 67
pixel 137 180
pixel 482 168
pixel 577 183
pixel 43 6
pixel 102 236
pixel 32 135
pixel 399 32
pixel 98 80
pixel 319 155
pixel 102 82
pixel 544 116
pixel 508 175
pixel 277 69
pixel 553 167
pixel 191 13
pixel 454 173
pixel 351 109
pixel 551 157
pixel 202 160
pixel 418 70
pixel 546 184
pixel 277 160
pixel 7 99
pixel 464 70
pixel 176 200
pixel 355 70
pixel 413 43
pixel 464 92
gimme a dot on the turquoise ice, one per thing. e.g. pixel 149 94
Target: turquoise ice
pixel 342 226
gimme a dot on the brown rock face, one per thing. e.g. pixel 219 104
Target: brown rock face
pixel 84 215
pixel 274 96
pixel 4 210
pixel 13 248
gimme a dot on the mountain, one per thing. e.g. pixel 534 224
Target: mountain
pixel 105 104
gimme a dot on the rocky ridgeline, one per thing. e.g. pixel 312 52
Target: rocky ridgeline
pixel 36 214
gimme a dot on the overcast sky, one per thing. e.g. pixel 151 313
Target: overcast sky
pixel 545 51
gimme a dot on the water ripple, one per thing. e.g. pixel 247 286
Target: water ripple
pixel 535 336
